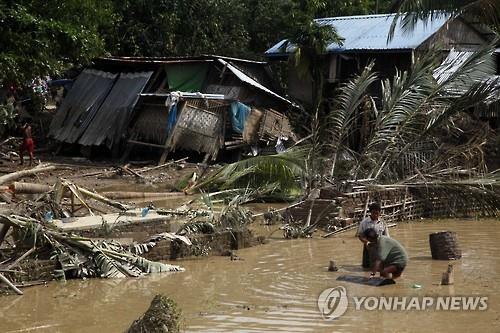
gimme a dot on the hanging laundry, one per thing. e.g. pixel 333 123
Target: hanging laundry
pixel 171 104
pixel 239 114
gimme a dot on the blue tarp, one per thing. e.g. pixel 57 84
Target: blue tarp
pixel 239 114
pixel 172 118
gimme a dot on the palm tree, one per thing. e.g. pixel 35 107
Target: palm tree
pixel 417 107
pixel 486 12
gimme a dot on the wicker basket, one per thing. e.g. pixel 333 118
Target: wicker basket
pixel 444 245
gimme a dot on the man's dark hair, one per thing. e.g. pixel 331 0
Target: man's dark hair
pixel 370 234
pixel 374 206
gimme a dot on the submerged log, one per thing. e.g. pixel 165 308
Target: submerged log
pixel 444 246
pixel 161 317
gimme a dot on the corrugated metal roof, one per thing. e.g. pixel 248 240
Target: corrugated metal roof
pixel 247 79
pixel 451 64
pixel 80 105
pixel 369 32
pixel 113 116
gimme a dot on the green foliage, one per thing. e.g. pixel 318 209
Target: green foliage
pixel 38 38
pixel 7 115
pixel 41 38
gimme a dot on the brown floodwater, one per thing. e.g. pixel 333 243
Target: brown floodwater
pixel 275 289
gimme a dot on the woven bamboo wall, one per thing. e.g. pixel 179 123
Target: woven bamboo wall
pixel 398 204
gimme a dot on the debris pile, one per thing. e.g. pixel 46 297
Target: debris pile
pixel 75 256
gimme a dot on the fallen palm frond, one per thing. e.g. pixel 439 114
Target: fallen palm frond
pixel 81 257
pixel 155 239
pixel 284 169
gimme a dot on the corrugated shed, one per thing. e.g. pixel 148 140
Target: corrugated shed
pixel 114 114
pixel 80 105
pixel 369 32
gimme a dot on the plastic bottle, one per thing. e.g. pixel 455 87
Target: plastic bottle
pixel 49 216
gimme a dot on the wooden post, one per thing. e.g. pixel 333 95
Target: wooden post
pixel 164 155
pixel 448 276
pixel 332 267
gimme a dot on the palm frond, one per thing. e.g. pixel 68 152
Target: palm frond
pixel 255 172
pixel 409 12
pixel 341 119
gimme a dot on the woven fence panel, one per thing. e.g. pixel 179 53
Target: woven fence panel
pixel 199 130
pixel 274 125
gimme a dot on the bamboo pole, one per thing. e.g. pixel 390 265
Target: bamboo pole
pixel 11 286
pixel 349 227
pixel 140 195
pixel 101 198
pixel 162 166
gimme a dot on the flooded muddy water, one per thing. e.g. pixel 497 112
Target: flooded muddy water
pixel 275 289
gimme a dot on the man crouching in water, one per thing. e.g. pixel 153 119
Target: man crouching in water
pixel 27 144
pixel 391 258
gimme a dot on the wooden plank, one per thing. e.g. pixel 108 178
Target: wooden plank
pixel 374 282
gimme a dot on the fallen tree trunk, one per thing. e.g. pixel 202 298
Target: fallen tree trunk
pixel 162 316
pixel 19 174
pixel 140 195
